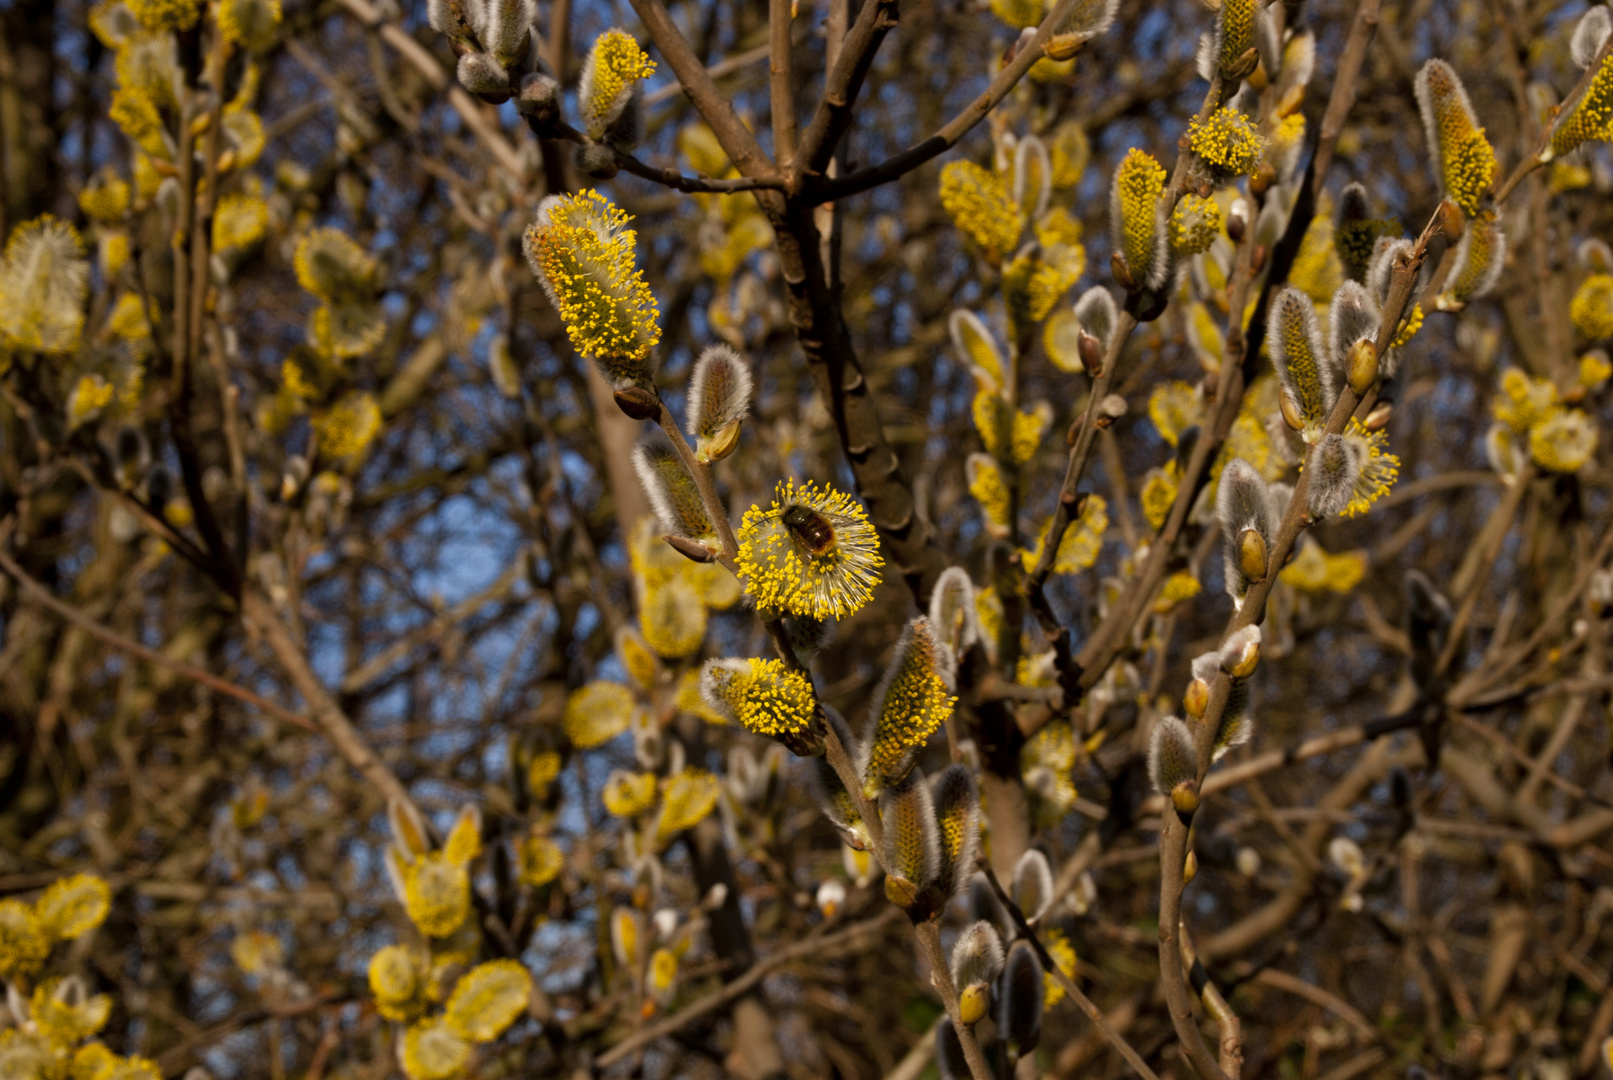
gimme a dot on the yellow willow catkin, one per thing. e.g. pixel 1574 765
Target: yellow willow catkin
pixel 1134 213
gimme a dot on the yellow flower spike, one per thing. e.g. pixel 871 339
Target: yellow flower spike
pixel 1135 218
pixel 1591 119
pixel 71 907
pixel 250 24
pixel 1045 765
pixel 690 700
pixel 256 952
pixel 957 812
pixel 44 280
pixel 1480 256
pixel 132 1068
pixel 1314 570
pixel 1029 429
pixel 89 397
pixel 397 981
pixel 1563 441
pixel 975 347
pixel 1195 224
pixel 663 974
pixel 912 837
pixel 1180 586
pixel 982 208
pixel 672 492
pixel 487 999
pixel 1592 307
pixel 1018 13
pixel 240 221
pixel 90 1062
pixel 1234 37
pixel 159 15
pixel 672 618
pixel 610 75
pixel 642 666
pixel 331 265
pixel 1174 407
pixel 993 420
pixel 1059 227
pixel 1070 151
pixel 582 252
pixel 987 487
pixel 343 331
pixel 597 713
pixel 627 795
pixel 1318 270
pixel 1594 370
pixel 1061 337
pixel 1283 148
pixel 1063 953
pixel 65 1014
pixel 436 894
pixel 812 552
pixel 1159 492
pixel 762 696
pixel 1204 335
pixel 1036 281
pixel 348 428
pixel 24 944
pixel 689 797
pixel 106 197
pixel 1523 402
pixel 243 133
pixel 1408 329
pixel 1082 541
pixel 909 704
pixel 464 841
pixel 434 1051
pixel 1379 468
pixel 1227 144
pixel 1461 156
pixel 541 860
pixel 1295 342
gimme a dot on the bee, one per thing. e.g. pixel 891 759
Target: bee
pixel 811 528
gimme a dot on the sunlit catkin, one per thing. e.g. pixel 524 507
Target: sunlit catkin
pixel 582 251
pixel 982 207
pixel 1226 145
pixel 1464 164
pixel 719 399
pixel 909 704
pixel 1243 504
pixel 912 838
pixel 1135 216
pixel 611 76
pixel 44 279
pixel 672 492
pixel 812 552
pixel 762 696
pixel 1303 366
pixel 957 811
pixel 1479 257
pixel 487 999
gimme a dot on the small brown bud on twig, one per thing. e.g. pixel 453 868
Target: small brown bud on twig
pixel 1196 699
pixel 1122 272
pixel 1190 868
pixel 1378 418
pixel 1091 350
pixel 1185 798
pixel 1361 367
pixel 1257 258
pixel 1451 221
pixel 1110 409
pixel 1063 46
pixel 692 550
pixel 639 403
pixel 1252 554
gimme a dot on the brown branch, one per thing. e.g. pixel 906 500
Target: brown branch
pixel 817 946
pixel 781 74
pixel 833 113
pixel 134 648
pixel 929 935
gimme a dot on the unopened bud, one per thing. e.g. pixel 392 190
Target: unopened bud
pixel 1257 258
pixel 1451 221
pixel 1238 220
pixel 1291 102
pixel 1110 409
pixel 1063 46
pixel 1196 699
pixel 1261 181
pixel 1185 797
pixel 1075 429
pixel 1091 350
pixel 1243 66
pixel 639 403
pixel 692 550
pixel 538 98
pixel 1249 659
pixel 1190 868
pixel 1361 367
pixel 1290 411
pixel 1378 418
pixel 719 445
pixel 900 891
pixel 974 1002
pixel 1122 272
pixel 1574 394
pixel 1252 554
